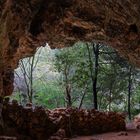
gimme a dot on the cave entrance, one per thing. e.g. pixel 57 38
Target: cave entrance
pixel 85 75
pixel 36 80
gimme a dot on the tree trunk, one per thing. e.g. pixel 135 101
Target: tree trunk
pixel 68 95
pixel 129 91
pixel 67 86
pixel 96 54
pixel 94 73
pixel 84 93
pixel 110 99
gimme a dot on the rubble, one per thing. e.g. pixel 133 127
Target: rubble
pixel 38 123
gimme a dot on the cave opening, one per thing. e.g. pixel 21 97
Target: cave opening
pixel 64 80
pixel 57 78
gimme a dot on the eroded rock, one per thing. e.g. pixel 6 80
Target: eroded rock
pixel 26 25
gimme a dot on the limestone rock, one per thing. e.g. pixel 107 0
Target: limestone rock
pixel 28 24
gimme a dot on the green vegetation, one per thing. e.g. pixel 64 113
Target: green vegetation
pixel 86 75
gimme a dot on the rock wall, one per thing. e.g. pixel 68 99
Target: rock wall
pixel 28 24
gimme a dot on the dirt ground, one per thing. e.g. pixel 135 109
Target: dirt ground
pixel 130 134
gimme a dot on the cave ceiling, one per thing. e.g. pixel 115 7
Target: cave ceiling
pixel 28 24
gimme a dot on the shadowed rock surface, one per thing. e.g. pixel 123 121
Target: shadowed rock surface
pixel 26 25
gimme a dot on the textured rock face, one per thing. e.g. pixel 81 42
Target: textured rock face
pixel 27 24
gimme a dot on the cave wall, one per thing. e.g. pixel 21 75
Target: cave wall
pixel 28 24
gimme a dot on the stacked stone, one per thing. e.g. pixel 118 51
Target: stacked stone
pixel 87 122
pixel 40 124
pixel 32 122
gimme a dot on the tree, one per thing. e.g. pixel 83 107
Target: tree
pixel 27 67
pixel 65 64
pixel 43 80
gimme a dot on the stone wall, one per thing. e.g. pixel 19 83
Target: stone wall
pixel 36 123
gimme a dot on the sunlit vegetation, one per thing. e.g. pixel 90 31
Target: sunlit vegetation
pixel 86 75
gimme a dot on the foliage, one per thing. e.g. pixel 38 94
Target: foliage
pixel 65 77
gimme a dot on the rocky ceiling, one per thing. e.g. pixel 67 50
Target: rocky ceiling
pixel 27 24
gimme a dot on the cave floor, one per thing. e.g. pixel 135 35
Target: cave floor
pixel 130 134
pixel 111 136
